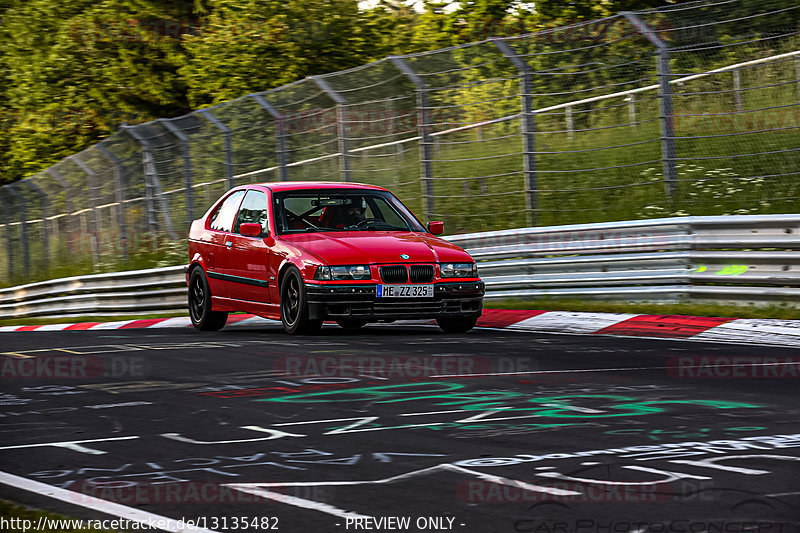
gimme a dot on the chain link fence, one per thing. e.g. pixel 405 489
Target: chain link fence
pixel 692 109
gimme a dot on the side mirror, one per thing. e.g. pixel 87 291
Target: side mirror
pixel 436 227
pixel 250 230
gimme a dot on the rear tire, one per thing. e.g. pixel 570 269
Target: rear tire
pixel 351 324
pixel 203 318
pixel 294 307
pixel 459 324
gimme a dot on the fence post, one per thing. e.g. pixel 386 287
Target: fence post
pixel 569 121
pixel 797 75
pixel 44 207
pixel 9 240
pixel 187 168
pixel 94 227
pixel 631 99
pixel 424 132
pixel 152 186
pixel 737 88
pixel 528 131
pixel 119 173
pixel 149 170
pixel 280 134
pixel 341 125
pixel 23 218
pixel 226 131
pixel 668 153
pixel 68 205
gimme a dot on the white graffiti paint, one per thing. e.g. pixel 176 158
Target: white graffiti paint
pixel 714 462
pixel 176 470
pixel 669 477
pixel 74 445
pixel 653 451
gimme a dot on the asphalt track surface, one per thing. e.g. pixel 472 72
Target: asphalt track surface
pixel 404 428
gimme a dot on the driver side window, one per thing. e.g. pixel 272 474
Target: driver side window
pixel 253 211
pixel 222 219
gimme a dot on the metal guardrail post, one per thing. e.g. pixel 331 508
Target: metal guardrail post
pixel 423 128
pixel 187 167
pixel 119 173
pixel 45 208
pixel 68 206
pixel 226 131
pixel 528 130
pixel 152 185
pixel 23 218
pixel 280 134
pixel 92 185
pixel 341 127
pixel 668 152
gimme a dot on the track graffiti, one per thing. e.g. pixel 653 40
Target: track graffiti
pixel 592 481
pixel 182 470
pixel 681 432
pixel 452 394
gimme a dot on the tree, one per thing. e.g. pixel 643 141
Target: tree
pixel 76 70
pixel 266 43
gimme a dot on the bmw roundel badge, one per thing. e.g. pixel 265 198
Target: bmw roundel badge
pixel 405 256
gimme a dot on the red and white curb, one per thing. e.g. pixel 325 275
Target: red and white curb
pixel 714 329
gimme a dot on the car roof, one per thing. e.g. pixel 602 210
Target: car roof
pixel 311 185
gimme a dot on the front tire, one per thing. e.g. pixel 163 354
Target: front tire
pixel 458 324
pixel 294 308
pixel 203 318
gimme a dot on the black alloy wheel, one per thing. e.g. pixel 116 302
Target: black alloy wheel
pixel 203 318
pixel 294 309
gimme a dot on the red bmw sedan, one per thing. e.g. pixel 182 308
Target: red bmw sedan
pixel 308 252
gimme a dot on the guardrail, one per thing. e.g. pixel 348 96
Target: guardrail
pixel 739 259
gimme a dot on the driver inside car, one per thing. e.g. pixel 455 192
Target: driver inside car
pixel 354 214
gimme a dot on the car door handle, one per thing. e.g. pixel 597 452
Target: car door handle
pixel 228 244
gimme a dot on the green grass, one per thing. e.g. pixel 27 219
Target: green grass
pixel 777 311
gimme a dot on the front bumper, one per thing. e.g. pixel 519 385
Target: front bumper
pixel 336 302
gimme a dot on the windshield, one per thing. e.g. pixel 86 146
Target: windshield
pixel 341 210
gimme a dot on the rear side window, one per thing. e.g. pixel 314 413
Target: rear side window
pixel 222 218
pixel 253 211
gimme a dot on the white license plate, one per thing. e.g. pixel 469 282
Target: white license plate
pixel 405 291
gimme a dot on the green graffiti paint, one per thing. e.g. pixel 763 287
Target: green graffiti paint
pixel 732 270
pixel 450 395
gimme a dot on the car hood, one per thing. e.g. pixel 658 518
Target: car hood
pixel 363 247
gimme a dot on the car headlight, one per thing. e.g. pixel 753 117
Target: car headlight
pixel 459 270
pixel 343 272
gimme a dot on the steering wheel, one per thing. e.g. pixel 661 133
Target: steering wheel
pixel 366 221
